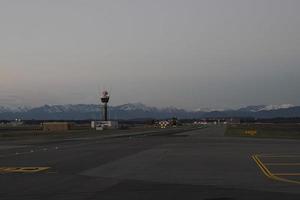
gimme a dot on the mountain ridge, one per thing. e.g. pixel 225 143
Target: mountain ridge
pixel 139 110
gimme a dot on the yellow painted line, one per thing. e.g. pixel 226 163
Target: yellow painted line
pixel 282 164
pixel 285 180
pixel 287 174
pixel 269 174
pixel 261 166
pixel 279 156
pixel 22 169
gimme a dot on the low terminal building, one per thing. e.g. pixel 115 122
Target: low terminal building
pixel 56 126
pixel 101 125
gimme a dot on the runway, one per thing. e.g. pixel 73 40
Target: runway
pixel 165 164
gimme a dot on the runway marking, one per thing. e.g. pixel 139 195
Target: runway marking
pixel 287 174
pixel 282 164
pixel 274 176
pixel 22 169
pixel 279 156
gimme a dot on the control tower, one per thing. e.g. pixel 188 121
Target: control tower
pixel 104 123
pixel 105 100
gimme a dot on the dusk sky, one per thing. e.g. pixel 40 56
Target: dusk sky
pixel 185 53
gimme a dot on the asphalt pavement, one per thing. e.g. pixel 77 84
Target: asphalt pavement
pixel 161 164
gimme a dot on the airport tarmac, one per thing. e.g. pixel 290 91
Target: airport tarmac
pixel 166 164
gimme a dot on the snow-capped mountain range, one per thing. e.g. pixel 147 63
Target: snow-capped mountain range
pixel 139 110
pixel 14 109
pixel 266 107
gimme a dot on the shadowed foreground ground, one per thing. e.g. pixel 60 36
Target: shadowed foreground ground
pixel 198 164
